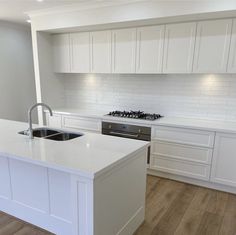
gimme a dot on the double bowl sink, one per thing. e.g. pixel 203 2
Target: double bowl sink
pixel 52 134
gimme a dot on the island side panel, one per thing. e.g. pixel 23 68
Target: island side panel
pixel 5 189
pixel 119 197
pixel 82 199
pixel 36 194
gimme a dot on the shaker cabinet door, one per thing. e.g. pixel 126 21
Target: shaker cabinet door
pixel 123 50
pixel 232 52
pixel 100 51
pixel 79 52
pixel 61 53
pixel 212 46
pixel 150 42
pixel 224 160
pixel 179 48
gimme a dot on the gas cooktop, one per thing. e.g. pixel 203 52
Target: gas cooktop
pixel 135 114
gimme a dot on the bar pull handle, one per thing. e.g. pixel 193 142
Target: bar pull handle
pixel 123 134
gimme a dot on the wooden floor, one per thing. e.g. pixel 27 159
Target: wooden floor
pixel 171 208
pixel 10 225
pixel 182 209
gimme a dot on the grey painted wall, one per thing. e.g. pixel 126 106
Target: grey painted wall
pixel 17 84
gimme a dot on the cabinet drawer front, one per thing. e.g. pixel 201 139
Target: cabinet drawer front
pixel 184 136
pixel 182 152
pixel 89 124
pixel 188 169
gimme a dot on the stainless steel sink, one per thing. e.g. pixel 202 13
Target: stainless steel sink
pixel 63 136
pixel 41 132
pixel 52 134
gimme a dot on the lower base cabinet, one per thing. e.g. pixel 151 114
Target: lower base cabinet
pixel 75 123
pixel 82 123
pixel 179 167
pixel 194 154
pixel 183 152
pixel 215 164
pixel 224 160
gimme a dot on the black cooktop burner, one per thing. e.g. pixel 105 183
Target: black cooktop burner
pixel 135 114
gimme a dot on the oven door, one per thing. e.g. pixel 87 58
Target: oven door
pixel 121 131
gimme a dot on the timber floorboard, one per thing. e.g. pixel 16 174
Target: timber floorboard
pixel 175 208
pixel 171 208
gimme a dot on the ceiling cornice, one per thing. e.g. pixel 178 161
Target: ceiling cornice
pixel 81 7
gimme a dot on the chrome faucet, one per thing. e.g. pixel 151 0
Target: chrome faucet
pixel 30 130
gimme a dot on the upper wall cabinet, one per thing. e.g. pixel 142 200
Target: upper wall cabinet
pixel 179 48
pixel 212 46
pixel 61 53
pixel 232 52
pixel 100 51
pixel 79 52
pixel 123 50
pixel 192 47
pixel 150 42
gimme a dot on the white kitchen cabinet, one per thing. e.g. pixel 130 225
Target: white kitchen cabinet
pixel 232 52
pixel 184 136
pixel 224 160
pixel 53 121
pixel 82 123
pixel 183 168
pixel 80 52
pixel 179 48
pixel 61 53
pixel 150 42
pixel 182 151
pixel 212 46
pixel 123 50
pixel 100 42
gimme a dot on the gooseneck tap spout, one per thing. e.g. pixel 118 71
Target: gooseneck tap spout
pixel 30 130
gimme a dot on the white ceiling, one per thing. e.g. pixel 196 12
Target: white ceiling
pixel 14 10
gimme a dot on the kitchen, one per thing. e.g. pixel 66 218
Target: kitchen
pixel 160 76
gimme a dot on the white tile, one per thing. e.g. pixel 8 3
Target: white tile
pixel 205 96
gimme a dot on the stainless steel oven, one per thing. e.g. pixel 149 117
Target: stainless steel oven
pixel 128 131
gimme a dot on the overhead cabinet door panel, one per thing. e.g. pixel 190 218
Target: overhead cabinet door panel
pixel 150 49
pixel 61 53
pixel 179 48
pixel 212 46
pixel 123 50
pixel 79 52
pixel 100 51
pixel 232 53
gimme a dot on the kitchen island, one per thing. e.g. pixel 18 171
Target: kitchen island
pixel 91 185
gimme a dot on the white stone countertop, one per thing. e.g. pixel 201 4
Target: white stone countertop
pixel 192 123
pixel 88 156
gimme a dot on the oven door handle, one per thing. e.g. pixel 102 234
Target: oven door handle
pixel 123 134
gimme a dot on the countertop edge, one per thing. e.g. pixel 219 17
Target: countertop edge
pixel 48 165
pixel 91 176
pixel 120 162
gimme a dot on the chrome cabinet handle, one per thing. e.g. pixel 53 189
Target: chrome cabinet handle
pixel 123 134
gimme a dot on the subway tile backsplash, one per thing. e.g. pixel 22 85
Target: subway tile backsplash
pixel 197 96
